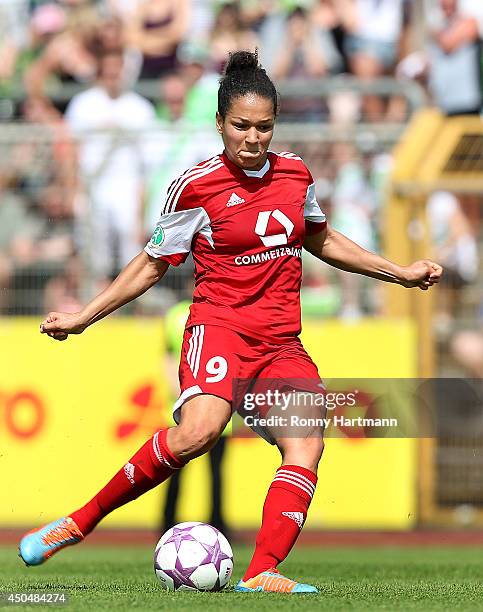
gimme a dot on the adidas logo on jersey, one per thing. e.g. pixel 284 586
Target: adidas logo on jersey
pixel 234 200
pixel 298 517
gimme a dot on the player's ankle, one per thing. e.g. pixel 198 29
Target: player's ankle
pixel 258 569
pixel 167 450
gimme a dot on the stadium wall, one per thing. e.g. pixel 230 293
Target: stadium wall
pixel 71 413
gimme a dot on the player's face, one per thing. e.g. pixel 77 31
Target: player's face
pixel 247 130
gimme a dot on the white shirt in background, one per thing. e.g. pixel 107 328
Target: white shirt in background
pixel 380 19
pixel 110 155
pixel 114 137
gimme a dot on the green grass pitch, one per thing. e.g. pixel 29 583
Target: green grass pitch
pixel 102 578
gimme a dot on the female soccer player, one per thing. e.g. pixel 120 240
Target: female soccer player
pixel 245 215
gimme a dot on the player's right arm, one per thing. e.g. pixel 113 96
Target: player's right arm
pixel 137 277
pixel 182 218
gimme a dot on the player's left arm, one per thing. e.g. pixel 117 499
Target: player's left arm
pixel 337 250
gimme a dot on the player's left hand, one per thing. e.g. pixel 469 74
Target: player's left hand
pixel 423 274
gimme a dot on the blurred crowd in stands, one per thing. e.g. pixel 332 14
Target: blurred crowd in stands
pixel 89 81
pixel 42 41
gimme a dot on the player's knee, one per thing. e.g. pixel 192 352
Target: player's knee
pixel 313 448
pixel 199 438
pixel 302 451
pixel 318 448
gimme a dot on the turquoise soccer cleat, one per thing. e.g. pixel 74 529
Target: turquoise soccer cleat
pixel 272 581
pixel 40 544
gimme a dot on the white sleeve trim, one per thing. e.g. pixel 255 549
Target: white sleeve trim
pixel 312 210
pixel 175 231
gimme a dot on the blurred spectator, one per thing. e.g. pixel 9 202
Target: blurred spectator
pixel 70 56
pixel 373 34
pixel 469 8
pixel 172 100
pixel 453 238
pixel 60 154
pixel 456 248
pixel 455 56
pixel 13 27
pixel 156 28
pixel 63 292
pixel 295 41
pixel 302 53
pixel 17 53
pixel 40 251
pixel 13 216
pixel 68 4
pixel 178 147
pixel 201 22
pixel 325 15
pixel 353 211
pixel 229 33
pixel 109 123
pixel 297 48
pixel 42 153
pixel 254 12
pixel 467 349
pixel 373 30
pixel 124 9
pixel 111 36
pixel 202 84
pixel 344 108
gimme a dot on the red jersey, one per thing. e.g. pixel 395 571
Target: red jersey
pixel 245 230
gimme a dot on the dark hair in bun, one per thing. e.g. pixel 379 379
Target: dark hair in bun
pixel 243 75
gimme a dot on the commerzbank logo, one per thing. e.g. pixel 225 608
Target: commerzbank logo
pixel 262 226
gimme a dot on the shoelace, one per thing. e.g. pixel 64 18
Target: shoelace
pixel 278 582
pixel 59 534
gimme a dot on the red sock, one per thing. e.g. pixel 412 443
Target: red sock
pixel 284 513
pixel 152 464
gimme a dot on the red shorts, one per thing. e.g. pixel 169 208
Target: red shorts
pixel 215 359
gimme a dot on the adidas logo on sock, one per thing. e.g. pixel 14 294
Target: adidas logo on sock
pixel 234 200
pixel 129 471
pixel 298 517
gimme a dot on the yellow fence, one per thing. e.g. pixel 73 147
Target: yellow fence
pixel 72 413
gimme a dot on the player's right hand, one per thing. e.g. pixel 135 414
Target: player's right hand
pixel 59 325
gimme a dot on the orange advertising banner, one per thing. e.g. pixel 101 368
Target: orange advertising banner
pixel 72 413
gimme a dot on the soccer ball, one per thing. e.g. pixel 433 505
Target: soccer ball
pixel 193 557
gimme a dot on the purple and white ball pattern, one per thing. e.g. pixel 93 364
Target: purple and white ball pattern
pixel 193 557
